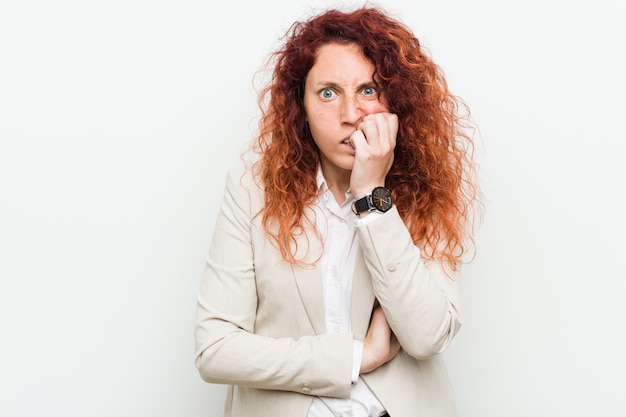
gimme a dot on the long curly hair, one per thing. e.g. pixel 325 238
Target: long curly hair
pixel 433 177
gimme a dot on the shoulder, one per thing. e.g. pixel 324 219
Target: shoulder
pixel 244 175
pixel 243 184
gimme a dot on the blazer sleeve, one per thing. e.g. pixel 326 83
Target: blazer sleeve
pixel 227 349
pixel 421 298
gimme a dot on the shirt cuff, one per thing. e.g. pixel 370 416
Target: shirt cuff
pixel 367 219
pixel 357 355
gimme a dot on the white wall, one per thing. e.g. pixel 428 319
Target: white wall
pixel 118 120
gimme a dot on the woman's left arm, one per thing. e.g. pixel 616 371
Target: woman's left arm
pixel 420 298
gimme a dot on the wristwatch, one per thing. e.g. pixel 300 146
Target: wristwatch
pixel 378 200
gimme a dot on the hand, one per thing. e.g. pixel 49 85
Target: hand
pixel 374 142
pixel 380 344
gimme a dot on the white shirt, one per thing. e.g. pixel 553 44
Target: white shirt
pixel 341 244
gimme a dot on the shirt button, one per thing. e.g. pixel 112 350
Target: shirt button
pixel 391 267
pixel 306 390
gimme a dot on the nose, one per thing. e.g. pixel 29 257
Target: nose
pixel 351 112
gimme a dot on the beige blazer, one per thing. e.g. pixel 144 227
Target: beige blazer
pixel 260 321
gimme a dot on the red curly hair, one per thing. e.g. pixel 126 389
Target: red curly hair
pixel 433 175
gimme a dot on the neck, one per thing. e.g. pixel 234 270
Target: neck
pixel 339 191
pixel 338 182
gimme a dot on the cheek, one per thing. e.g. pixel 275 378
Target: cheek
pixel 319 132
pixel 319 118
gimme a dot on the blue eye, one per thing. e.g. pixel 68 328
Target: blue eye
pixel 369 91
pixel 327 93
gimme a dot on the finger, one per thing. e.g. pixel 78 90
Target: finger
pixel 392 126
pixel 388 129
pixel 358 138
pixel 370 126
pixel 380 130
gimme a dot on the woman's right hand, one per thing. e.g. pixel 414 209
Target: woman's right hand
pixel 374 142
pixel 380 344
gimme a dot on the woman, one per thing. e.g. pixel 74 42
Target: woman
pixel 333 280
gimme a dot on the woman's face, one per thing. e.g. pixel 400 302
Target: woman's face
pixel 339 91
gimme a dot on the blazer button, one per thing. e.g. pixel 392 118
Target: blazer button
pixel 391 266
pixel 306 390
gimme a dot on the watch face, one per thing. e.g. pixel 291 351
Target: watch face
pixel 381 199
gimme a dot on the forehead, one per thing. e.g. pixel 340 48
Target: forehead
pixel 341 61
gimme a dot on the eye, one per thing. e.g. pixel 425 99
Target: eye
pixel 369 91
pixel 327 93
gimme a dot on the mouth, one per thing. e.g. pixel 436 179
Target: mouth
pixel 348 142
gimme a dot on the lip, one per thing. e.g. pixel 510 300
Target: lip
pixel 348 142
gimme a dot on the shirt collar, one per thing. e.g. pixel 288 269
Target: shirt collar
pixel 324 192
pixel 321 181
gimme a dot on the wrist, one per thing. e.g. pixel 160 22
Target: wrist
pixel 360 192
pixel 369 362
pixel 379 199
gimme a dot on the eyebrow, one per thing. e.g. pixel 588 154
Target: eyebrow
pixel 331 84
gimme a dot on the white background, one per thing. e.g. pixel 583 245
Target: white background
pixel 118 120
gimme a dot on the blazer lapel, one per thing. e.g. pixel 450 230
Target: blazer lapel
pixel 362 298
pixel 309 282
pixel 309 279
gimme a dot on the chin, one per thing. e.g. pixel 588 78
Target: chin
pixel 347 164
pixel 339 164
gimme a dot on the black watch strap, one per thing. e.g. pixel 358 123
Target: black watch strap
pixel 379 200
pixel 361 205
